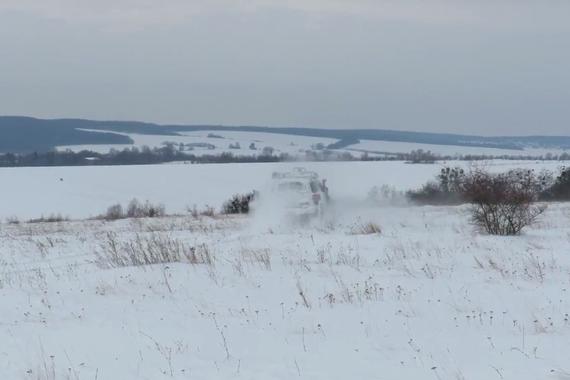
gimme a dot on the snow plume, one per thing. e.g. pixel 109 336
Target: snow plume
pixel 279 211
pixel 271 212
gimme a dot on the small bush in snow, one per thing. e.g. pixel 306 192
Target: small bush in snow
pixel 447 189
pixel 239 204
pixel 503 204
pixel 206 211
pixel 114 212
pixel 136 209
pixel 13 220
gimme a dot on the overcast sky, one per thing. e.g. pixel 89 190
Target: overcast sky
pixel 464 66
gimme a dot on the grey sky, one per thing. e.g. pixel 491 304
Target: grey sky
pixel 477 66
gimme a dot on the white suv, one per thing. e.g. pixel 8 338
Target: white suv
pixel 302 191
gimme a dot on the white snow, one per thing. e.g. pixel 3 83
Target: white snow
pixel 427 298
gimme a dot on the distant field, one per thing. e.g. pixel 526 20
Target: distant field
pixel 296 145
pixel 374 146
pixel 291 144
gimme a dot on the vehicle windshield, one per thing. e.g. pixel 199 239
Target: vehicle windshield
pixel 315 186
pixel 291 186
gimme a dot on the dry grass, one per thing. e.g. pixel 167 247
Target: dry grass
pixel 368 228
pixel 262 257
pixel 355 293
pixel 207 211
pixel 148 250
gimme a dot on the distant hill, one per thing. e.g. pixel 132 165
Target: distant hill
pixel 26 134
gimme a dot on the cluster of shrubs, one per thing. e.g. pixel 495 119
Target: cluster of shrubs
pixel 456 186
pixel 238 204
pixel 558 188
pixel 135 209
pixel 420 156
pixel 448 188
pixel 501 203
pixel 53 218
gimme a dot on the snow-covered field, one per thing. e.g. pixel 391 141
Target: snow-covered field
pixel 428 297
pixel 374 146
pixel 80 192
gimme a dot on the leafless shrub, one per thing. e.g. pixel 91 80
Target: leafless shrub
pixel 114 212
pixel 12 220
pixel 448 189
pixel 136 209
pixel 239 203
pixel 193 211
pixel 503 204
pixel 207 211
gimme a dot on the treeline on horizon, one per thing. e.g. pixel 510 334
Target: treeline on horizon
pixel 168 153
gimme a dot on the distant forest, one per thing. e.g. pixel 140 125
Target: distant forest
pixel 27 135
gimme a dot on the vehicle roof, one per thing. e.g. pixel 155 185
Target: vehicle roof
pixel 296 173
